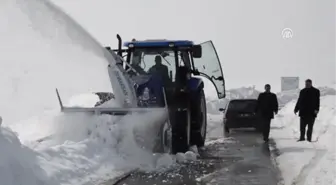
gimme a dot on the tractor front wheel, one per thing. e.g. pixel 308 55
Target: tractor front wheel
pixel 166 137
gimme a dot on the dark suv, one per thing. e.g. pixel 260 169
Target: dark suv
pixel 240 113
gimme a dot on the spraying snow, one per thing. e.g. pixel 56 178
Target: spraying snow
pixel 43 49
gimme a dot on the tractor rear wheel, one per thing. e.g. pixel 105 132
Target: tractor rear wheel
pixel 181 131
pixel 199 119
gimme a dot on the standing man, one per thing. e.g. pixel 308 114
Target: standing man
pixel 267 106
pixel 308 106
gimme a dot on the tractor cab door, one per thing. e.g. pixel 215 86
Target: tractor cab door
pixel 209 66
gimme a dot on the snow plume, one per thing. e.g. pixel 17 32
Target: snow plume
pixel 43 49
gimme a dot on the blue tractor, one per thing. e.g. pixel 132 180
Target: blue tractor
pixel 170 73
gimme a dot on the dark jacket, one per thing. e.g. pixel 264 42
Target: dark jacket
pixel 308 102
pixel 267 105
pixel 162 70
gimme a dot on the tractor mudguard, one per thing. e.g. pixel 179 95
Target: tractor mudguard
pixel 195 84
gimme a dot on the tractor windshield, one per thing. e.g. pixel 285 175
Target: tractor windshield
pixel 154 60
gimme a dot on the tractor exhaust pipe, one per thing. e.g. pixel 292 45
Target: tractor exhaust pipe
pixel 119 45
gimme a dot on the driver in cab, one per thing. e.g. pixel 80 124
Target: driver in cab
pixel 160 68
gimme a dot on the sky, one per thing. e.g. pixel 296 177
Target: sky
pixel 247 34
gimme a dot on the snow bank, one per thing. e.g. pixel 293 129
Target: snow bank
pixel 287 96
pixel 84 149
pixel 303 162
pixel 239 93
pixel 243 93
pixel 18 164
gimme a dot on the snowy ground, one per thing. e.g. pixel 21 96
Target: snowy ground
pixel 304 163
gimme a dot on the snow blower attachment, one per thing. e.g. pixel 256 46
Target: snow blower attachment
pixel 161 75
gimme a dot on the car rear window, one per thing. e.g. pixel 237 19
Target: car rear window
pixel 246 106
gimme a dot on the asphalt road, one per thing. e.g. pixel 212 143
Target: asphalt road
pixel 245 159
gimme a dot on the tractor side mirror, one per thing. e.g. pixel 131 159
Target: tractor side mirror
pixel 196 51
pixel 221 109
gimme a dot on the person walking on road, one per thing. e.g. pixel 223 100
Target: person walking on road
pixel 308 106
pixel 267 106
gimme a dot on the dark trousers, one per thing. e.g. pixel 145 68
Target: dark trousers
pixel 304 121
pixel 266 127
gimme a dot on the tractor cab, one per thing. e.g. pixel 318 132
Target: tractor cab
pixel 168 59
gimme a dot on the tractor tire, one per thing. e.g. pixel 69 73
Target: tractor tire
pixel 165 138
pixel 199 119
pixel 181 131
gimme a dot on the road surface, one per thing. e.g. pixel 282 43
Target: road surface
pixel 241 158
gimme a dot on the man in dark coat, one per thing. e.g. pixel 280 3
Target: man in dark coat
pixel 308 106
pixel 160 68
pixel 267 106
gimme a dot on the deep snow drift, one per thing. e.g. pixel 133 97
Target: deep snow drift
pixel 81 149
pixel 305 163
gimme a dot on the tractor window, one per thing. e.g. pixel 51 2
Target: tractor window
pixel 210 67
pixel 150 59
pixel 184 59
